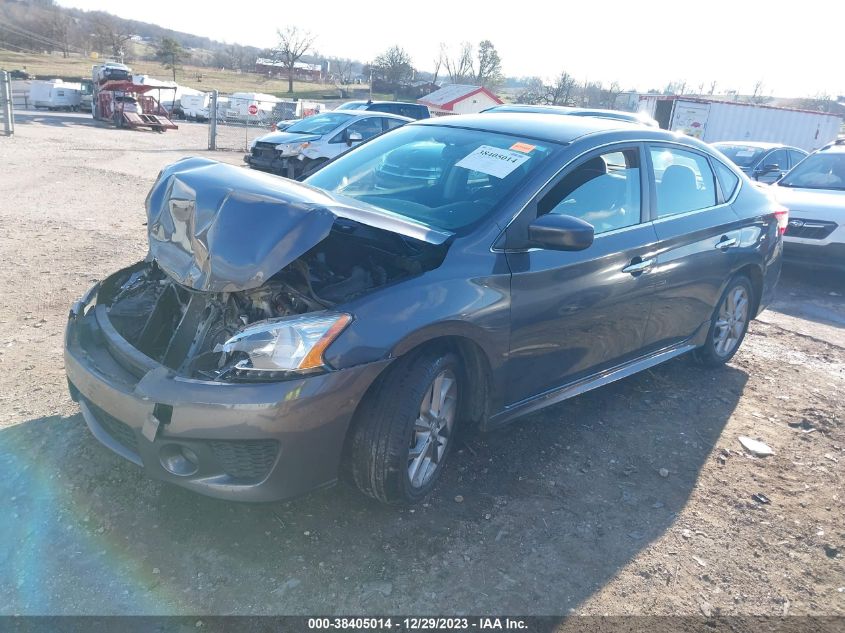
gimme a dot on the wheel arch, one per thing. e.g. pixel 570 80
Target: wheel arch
pixel 755 275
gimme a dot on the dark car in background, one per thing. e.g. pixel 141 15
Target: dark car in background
pixel 764 162
pixel 619 115
pixel 455 272
pixel 402 108
pixel 20 74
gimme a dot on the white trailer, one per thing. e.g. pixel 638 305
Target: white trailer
pixel 242 104
pixel 711 121
pixel 55 94
pixel 195 107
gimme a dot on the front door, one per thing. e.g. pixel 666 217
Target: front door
pixel 575 313
pixel 773 165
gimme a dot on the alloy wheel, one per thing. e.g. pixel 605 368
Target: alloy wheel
pixel 731 322
pixel 433 428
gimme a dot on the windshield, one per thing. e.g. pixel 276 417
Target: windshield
pixel 445 177
pixel 318 124
pixel 741 155
pixel 819 171
pixel 353 105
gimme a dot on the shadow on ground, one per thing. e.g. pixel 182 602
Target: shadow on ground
pixel 552 508
pixel 814 295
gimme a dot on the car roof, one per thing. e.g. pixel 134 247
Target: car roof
pixel 382 102
pixel 362 113
pixel 837 146
pixel 555 129
pixel 632 117
pixel 757 144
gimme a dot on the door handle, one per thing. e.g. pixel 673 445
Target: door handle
pixel 638 267
pixel 725 243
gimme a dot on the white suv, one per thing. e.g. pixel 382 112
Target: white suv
pixel 814 193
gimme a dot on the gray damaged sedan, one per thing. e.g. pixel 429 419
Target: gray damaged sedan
pixel 451 274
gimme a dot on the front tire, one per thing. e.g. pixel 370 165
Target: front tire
pixel 311 167
pixel 729 323
pixel 405 428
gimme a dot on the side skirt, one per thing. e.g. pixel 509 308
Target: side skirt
pixel 571 390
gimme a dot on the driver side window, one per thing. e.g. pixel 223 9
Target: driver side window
pixel 603 190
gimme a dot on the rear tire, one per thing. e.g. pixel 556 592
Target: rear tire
pixel 729 323
pixel 405 428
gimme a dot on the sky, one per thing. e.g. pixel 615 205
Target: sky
pixel 793 48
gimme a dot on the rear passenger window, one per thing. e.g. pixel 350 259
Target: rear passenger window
pixel 727 180
pixel 389 124
pixel 603 190
pixel 683 181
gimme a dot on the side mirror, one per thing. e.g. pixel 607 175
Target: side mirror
pixel 353 137
pixel 561 233
pixel 767 169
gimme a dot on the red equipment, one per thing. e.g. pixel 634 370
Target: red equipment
pixel 126 105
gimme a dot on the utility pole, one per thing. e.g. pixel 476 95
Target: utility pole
pixel 6 103
pixel 212 122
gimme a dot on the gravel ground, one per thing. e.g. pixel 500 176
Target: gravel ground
pixel 632 499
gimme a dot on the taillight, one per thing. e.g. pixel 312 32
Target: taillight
pixel 782 216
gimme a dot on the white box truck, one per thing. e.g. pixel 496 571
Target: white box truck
pixel 55 94
pixel 711 120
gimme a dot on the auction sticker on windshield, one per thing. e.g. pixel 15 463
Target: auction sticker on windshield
pixel 492 161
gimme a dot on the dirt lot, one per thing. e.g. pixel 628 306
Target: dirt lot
pixel 565 511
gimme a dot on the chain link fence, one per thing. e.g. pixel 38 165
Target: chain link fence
pixel 235 120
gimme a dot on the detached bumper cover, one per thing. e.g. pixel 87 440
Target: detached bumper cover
pixel 245 442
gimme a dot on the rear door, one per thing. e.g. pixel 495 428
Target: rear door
pixel 575 313
pixel 697 231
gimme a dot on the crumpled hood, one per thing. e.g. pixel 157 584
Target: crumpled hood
pixel 287 137
pixel 220 228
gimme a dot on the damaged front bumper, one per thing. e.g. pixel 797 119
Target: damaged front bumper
pixel 244 441
pixel 289 166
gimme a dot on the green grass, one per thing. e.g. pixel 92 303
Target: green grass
pixel 207 79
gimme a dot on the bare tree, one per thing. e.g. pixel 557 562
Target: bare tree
pixel 712 87
pixel 293 44
pixel 610 95
pixel 344 70
pixel 60 25
pixel 533 92
pixel 110 37
pixel 393 67
pixel 561 91
pixel 460 68
pixel 757 95
pixel 438 62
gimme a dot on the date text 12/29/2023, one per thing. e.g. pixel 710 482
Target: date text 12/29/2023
pixel 419 624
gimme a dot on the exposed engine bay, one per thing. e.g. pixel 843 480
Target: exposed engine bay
pixel 180 327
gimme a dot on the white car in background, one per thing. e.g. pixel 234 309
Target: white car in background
pixel 814 193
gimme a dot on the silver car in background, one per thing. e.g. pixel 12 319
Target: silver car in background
pixel 305 146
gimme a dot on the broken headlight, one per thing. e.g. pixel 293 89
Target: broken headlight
pixel 291 149
pixel 272 349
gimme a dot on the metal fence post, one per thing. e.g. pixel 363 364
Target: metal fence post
pixel 6 102
pixel 212 123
